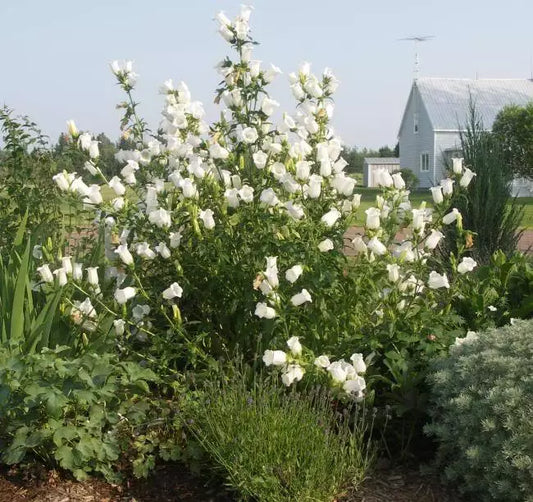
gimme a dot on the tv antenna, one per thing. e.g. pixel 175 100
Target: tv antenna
pixel 417 40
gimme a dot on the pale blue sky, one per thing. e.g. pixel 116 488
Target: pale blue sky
pixel 55 53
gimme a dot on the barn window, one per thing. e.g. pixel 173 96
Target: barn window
pixel 424 162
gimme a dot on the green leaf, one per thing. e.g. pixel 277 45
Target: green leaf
pixel 19 296
pixel 14 455
pixel 65 456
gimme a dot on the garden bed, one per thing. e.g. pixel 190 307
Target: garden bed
pixel 173 483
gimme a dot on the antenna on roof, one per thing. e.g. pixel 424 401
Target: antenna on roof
pixel 417 40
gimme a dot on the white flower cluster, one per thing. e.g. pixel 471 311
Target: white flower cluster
pixel 394 210
pixel 345 374
pixel 190 183
pixel 342 374
pixel 292 371
pixel 268 281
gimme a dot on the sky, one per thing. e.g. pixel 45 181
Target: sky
pixel 56 54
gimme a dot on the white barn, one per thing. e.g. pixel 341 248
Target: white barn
pixel 370 164
pixel 438 110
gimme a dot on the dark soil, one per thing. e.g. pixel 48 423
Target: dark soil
pixel 173 483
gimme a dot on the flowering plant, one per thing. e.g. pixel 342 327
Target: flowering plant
pixel 198 209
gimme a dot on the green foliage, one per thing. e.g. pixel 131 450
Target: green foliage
pixel 29 320
pixel 497 292
pixel 26 186
pixel 88 414
pixel 513 128
pixel 483 404
pixel 33 317
pixel 273 446
pixel 488 208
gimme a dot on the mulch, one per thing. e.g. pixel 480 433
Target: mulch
pixel 173 483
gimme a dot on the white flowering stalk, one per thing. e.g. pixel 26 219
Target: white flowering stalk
pixel 196 209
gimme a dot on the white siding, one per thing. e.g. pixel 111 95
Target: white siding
pixel 412 144
pixel 444 140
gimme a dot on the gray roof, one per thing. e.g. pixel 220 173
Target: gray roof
pixel 447 99
pixel 382 160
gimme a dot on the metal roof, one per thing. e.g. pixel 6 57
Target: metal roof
pixel 447 99
pixel 382 160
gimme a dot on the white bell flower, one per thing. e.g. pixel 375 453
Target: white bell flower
pixel 293 274
pixel 92 275
pixel 232 197
pixel 447 186
pixel 466 178
pixel 457 166
pixel 436 193
pixel 117 185
pixel 77 271
pixel 394 272
pixel 325 245
pixel 293 373
pixel 144 251
pixel 84 141
pixel 269 197
pixel 173 291
pixel 294 345
pixel 207 219
pixel 451 216
pixel 322 361
pixel 123 295
pixel 246 193
pixel 302 297
pixel 94 152
pixel 398 181
pixel 274 358
pixel 66 263
pixel 260 159
pixel 295 212
pixel 268 106
pixel 263 311
pixel 358 363
pixel 467 265
pixel 248 135
pixel 61 276
pixel 160 217
pixel 163 250
pixel 373 215
pixel 354 385
pixel 359 245
pixel 437 281
pixel 376 246
pixel 330 218
pixel 119 325
pixel 124 254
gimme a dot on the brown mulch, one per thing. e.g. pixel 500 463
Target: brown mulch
pixel 169 483
pixel 402 485
pixel 173 483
